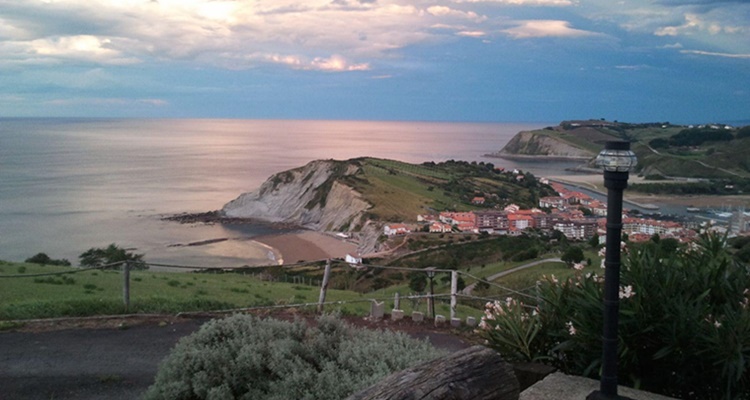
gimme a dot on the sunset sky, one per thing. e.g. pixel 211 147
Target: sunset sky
pixel 683 61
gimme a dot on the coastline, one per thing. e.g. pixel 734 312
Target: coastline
pixel 303 245
pixel 595 183
pixel 535 158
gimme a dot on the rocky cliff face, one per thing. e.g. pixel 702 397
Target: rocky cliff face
pixel 311 196
pixel 314 197
pixel 537 144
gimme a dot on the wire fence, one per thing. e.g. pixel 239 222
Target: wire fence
pixel 375 298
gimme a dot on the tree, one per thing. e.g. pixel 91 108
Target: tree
pixel 572 255
pixel 44 259
pixel 594 241
pixel 418 281
pixel 97 257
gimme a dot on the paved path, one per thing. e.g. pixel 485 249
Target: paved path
pixel 104 363
pixel 468 289
pixel 109 363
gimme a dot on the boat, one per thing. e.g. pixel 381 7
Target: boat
pixel 693 209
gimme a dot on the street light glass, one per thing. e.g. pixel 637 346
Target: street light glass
pixel 617 157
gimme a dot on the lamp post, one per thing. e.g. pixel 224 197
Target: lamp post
pixel 617 161
pixel 431 299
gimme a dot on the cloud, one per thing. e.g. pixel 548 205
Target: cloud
pixel 222 33
pixel 442 11
pixel 715 54
pixel 545 28
pixel 335 63
pixel 471 33
pixel 696 23
pixel 107 101
pixel 554 3
pixel 632 67
pixel 677 45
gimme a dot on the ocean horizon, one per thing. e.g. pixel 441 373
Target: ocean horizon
pixel 69 184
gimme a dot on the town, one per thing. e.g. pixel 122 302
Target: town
pixel 576 215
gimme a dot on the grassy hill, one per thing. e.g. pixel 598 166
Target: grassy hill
pixel 400 191
pixel 663 149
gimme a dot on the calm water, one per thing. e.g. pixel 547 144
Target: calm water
pixel 67 185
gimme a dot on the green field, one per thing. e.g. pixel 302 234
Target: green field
pixel 97 292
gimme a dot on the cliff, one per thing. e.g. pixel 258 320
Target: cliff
pixel 535 144
pixel 313 197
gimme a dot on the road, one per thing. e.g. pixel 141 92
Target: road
pixel 469 288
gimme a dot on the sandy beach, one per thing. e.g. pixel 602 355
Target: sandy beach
pixel 299 246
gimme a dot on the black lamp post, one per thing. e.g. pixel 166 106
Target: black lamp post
pixel 617 161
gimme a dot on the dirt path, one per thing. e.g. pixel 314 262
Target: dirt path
pixel 469 288
pixel 113 363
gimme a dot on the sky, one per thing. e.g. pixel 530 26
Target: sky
pixel 682 61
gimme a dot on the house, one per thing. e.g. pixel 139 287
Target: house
pixel 551 202
pixel 353 261
pixel 519 222
pixel 426 218
pixel 477 200
pixel 492 220
pixel 440 227
pixel 577 229
pixel 396 229
pixel 511 208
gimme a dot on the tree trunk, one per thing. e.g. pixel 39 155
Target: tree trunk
pixel 476 373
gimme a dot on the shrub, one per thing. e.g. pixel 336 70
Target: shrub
pixel 245 357
pixel 684 326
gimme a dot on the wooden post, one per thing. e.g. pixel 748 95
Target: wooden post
pixel 454 291
pixel 396 302
pixel 324 285
pixel 126 284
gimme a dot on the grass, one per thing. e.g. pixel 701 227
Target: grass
pixel 100 292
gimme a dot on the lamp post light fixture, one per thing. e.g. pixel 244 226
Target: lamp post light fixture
pixel 617 161
pixel 431 299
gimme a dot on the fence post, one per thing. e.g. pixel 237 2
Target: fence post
pixel 396 301
pixel 126 284
pixel 324 285
pixel 454 290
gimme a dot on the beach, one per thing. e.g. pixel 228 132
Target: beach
pixel 304 245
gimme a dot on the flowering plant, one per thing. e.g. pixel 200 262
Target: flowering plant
pixel 684 327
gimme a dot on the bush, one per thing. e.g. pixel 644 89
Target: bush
pixel 684 326
pixel 245 357
pixel 44 259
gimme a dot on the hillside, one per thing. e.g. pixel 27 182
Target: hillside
pixel 664 150
pixel 360 195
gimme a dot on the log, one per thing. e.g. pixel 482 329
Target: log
pixel 476 373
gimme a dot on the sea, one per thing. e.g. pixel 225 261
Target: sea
pixel 67 185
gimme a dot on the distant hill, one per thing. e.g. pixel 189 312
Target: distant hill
pixel 362 194
pixel 712 151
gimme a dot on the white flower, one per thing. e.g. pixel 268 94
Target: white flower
pixel 571 328
pixel 717 324
pixel 602 251
pixel 578 266
pixel 626 292
pixel 554 280
pixel 602 264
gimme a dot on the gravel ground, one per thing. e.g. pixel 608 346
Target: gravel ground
pixel 118 358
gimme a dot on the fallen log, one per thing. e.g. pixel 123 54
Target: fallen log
pixel 476 373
